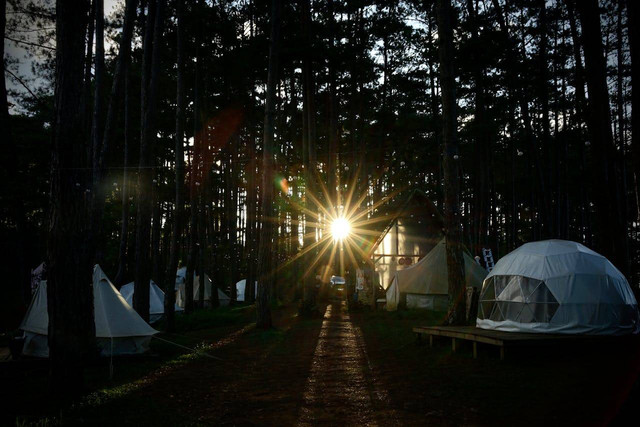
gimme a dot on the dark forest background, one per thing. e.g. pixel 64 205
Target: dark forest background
pixel 548 141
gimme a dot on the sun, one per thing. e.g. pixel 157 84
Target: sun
pixel 340 228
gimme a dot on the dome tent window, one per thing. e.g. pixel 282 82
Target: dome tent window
pixel 517 298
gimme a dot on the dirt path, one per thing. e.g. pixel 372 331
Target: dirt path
pixel 340 388
pixel 303 372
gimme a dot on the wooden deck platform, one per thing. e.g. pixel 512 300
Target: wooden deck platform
pixel 500 339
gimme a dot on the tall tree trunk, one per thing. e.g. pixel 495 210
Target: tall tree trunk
pixel 193 229
pixel 252 200
pixel 333 115
pixel 581 106
pixel 98 80
pixel 309 155
pixel 483 140
pixel 547 228
pixel 194 183
pixel 124 225
pixel 96 127
pixel 610 233
pixel 156 229
pixel 455 261
pixel 86 95
pixel 229 213
pixel 209 244
pixel 265 271
pixel 233 219
pixel 100 145
pixel 69 297
pixel 620 152
pixel 634 49
pixel 178 213
pixel 151 65
pixel 202 241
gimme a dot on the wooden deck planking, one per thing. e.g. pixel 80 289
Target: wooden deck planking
pixel 500 339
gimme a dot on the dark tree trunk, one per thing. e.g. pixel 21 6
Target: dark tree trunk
pixel 252 200
pixel 333 116
pixel 178 213
pixel 69 295
pixel 581 106
pixel 156 230
pixel 100 146
pixel 309 155
pixel 86 95
pixel 233 219
pixel 98 80
pixel 202 249
pixel 265 270
pixel 483 140
pixel 610 233
pixel 193 185
pixel 634 49
pixel 455 261
pixel 96 127
pixel 193 229
pixel 620 150
pixel 124 225
pixel 547 228
pixel 151 65
pixel 230 213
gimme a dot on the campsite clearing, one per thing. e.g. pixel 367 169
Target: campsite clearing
pixel 348 364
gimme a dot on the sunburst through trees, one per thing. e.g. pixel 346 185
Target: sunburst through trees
pixel 341 228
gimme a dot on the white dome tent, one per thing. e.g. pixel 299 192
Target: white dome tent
pixel 557 286
pixel 156 300
pixel 119 329
pixel 425 284
pixel 181 275
pixel 240 289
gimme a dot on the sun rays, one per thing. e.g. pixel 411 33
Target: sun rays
pixel 339 224
pixel 340 228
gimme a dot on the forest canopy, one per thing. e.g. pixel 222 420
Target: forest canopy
pixel 176 143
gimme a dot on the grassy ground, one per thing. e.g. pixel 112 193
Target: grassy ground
pixel 580 385
pixel 260 377
pixel 26 400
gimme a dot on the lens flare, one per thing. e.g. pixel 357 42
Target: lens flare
pixel 340 228
pixel 281 183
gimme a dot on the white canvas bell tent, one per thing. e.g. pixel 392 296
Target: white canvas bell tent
pixel 181 275
pixel 557 286
pixel 119 329
pixel 156 300
pixel 425 284
pixel 240 289
pixel 38 274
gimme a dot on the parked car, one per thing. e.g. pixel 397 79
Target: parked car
pixel 337 286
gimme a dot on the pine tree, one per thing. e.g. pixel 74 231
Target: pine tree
pixel 265 269
pixel 450 158
pixel 69 295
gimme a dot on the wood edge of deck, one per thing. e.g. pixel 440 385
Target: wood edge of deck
pixel 502 338
pixel 459 334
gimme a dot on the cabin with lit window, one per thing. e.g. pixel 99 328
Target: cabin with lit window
pixel 414 228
